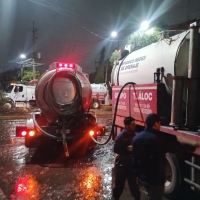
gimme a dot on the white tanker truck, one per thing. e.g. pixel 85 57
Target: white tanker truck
pixel 164 78
pixel 63 94
pixel 99 95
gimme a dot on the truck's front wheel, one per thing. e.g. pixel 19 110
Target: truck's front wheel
pixel 9 104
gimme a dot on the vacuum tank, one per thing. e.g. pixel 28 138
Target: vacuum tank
pixel 63 91
pixel 140 65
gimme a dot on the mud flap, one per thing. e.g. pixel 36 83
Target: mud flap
pixel 66 149
pixel 65 146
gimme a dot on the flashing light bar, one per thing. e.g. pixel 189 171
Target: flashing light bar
pixel 65 65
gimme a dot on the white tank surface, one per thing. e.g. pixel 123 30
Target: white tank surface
pixel 99 91
pixel 139 66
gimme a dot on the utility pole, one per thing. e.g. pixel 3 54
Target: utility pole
pixel 34 38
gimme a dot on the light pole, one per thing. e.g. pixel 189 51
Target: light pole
pixel 33 63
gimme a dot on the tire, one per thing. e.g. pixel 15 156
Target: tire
pixel 12 103
pixel 96 104
pixel 173 177
pixel 9 104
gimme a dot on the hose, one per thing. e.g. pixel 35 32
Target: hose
pixel 68 108
pixel 113 124
pixel 41 130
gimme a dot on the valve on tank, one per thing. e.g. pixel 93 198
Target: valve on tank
pixel 158 75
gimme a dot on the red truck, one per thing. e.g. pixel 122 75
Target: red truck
pixel 164 78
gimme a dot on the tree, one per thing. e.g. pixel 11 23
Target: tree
pixel 141 39
pixel 8 77
pixel 28 76
pixel 114 57
pixel 99 74
pixel 2 98
pixel 99 78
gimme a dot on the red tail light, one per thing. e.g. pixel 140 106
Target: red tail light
pixel 22 131
pixel 98 132
pixel 95 132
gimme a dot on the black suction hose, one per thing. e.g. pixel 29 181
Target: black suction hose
pixel 114 118
pixel 68 108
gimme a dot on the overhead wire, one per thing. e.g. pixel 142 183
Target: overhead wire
pixel 62 11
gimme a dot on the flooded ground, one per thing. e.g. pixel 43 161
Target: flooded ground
pixel 46 174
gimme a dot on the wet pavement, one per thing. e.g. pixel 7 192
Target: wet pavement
pixel 46 174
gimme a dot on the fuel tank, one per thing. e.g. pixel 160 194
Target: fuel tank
pixel 140 65
pixel 63 91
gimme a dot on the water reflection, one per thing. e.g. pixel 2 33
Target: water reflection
pixel 84 178
pixel 90 183
pixel 26 188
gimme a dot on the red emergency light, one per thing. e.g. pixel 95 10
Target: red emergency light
pixel 65 65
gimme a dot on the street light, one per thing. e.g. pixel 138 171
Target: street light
pixel 114 34
pixel 22 56
pixel 144 25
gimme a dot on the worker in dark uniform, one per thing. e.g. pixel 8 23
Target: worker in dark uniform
pixel 149 148
pixel 124 161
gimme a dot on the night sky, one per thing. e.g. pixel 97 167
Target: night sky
pixel 77 30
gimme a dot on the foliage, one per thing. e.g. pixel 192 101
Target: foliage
pixel 14 76
pixel 2 98
pixel 28 76
pixel 114 56
pixel 99 78
pixel 141 39
pixel 8 77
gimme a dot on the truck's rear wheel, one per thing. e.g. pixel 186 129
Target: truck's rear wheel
pixel 96 104
pixel 173 177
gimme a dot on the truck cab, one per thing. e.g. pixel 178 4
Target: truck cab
pixel 20 95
